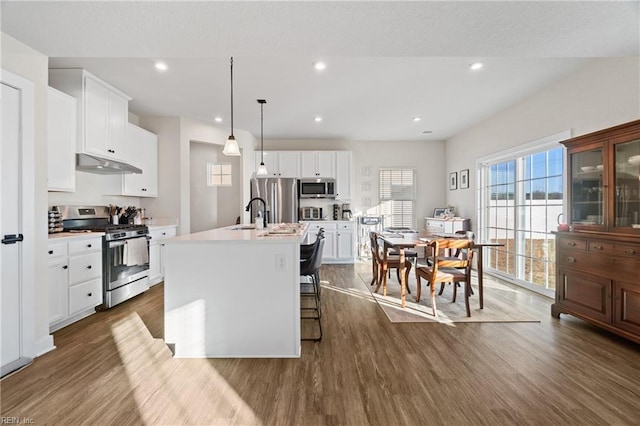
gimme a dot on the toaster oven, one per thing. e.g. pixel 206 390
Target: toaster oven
pixel 311 213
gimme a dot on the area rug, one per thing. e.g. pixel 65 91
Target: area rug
pixel 500 303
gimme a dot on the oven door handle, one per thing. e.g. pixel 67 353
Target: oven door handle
pixel 119 243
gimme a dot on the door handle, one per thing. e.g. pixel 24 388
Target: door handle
pixel 12 238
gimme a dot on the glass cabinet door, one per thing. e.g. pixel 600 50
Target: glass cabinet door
pixel 627 184
pixel 587 183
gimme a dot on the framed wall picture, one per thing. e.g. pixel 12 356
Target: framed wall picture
pixel 453 180
pixel 439 211
pixel 464 179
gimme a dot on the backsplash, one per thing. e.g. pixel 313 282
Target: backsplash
pixel 94 189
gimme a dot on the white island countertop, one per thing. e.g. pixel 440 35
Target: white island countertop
pixel 282 232
pixel 234 292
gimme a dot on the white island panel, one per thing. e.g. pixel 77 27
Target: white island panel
pixel 233 294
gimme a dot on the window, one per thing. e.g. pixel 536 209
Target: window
pixel 218 174
pixel 521 197
pixel 397 197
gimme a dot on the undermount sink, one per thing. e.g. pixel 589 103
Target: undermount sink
pixel 243 228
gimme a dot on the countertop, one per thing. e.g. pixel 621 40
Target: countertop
pixel 59 236
pixel 232 233
pixel 155 227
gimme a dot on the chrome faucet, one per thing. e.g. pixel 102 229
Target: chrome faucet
pixel 265 212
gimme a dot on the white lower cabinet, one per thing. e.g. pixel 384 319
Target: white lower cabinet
pixel 446 226
pixel 339 246
pixel 156 252
pixel 75 280
pixel 58 287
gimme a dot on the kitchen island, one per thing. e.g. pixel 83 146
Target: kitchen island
pixel 234 292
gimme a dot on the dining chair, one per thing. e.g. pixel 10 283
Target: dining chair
pixel 447 269
pixel 457 254
pixel 380 267
pixel 310 268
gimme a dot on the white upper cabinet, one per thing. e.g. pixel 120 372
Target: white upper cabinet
pixel 318 164
pixel 61 141
pixel 103 112
pixel 288 164
pixel 343 175
pixel 143 153
pixel 280 163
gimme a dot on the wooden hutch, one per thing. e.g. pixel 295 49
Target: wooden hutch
pixel 598 261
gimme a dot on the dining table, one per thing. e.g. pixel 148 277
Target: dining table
pixel 401 242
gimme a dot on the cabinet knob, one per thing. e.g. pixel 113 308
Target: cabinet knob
pixel 629 251
pixel 89 267
pixel 164 233
pixel 50 251
pixel 571 243
pixel 597 247
pixel 89 294
pixel 571 259
pixel 65 267
pixel 89 246
pixel 144 189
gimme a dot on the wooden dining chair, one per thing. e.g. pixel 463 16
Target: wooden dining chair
pixel 380 268
pixel 447 269
pixel 457 253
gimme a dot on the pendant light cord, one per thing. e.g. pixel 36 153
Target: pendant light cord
pixel 261 133
pixel 232 96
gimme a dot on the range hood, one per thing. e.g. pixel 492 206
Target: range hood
pixel 103 166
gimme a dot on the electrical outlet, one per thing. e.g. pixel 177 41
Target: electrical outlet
pixel 281 262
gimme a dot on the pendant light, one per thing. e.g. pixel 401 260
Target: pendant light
pixel 262 169
pixel 231 145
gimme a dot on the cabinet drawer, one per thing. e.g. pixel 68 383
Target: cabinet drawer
pixel 57 250
pixel 85 246
pixel 599 264
pixel 160 234
pixel 573 243
pixel 345 226
pixel 632 251
pixel 85 295
pixel 328 226
pixel 85 267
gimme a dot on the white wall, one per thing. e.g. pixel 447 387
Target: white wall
pixel 22 60
pixel 427 158
pixel 600 95
pixel 174 141
pixel 203 198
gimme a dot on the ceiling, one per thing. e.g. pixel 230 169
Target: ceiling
pixel 387 62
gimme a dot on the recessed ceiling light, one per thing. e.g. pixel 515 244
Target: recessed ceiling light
pixel 476 66
pixel 317 119
pixel 416 119
pixel 319 66
pixel 218 119
pixel 161 66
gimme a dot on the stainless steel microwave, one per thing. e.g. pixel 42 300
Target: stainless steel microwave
pixel 317 188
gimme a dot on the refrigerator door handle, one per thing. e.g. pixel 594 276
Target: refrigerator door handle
pixel 274 202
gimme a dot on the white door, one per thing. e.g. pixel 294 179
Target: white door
pixel 17 315
pixel 10 231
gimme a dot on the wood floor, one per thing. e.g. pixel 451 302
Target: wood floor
pixel 113 368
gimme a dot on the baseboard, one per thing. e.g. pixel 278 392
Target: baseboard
pixel 44 345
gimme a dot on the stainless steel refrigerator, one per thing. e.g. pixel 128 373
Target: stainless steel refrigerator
pixel 280 195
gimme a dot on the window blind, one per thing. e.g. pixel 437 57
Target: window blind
pixel 397 191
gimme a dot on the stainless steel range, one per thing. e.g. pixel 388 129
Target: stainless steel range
pixel 125 251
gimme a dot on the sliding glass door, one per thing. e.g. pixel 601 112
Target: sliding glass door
pixel 521 199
